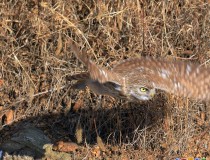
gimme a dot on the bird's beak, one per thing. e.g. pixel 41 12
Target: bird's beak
pixel 152 92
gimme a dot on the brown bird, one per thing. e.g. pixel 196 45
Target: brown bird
pixel 138 78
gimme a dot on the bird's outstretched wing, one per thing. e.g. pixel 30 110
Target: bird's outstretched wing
pixel 97 73
pixel 177 77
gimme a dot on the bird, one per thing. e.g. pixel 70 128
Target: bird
pixel 138 79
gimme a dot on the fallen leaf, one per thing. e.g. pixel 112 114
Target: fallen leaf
pixel 7 117
pixel 65 146
pixel 79 103
pixel 1 82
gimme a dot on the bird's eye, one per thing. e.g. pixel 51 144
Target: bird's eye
pixel 142 89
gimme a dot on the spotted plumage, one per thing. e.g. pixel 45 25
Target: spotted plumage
pixel 138 78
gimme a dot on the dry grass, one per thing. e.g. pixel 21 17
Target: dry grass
pixel 35 59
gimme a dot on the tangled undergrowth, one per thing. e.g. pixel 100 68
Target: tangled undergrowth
pixel 35 59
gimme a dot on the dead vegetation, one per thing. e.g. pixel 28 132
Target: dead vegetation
pixel 35 60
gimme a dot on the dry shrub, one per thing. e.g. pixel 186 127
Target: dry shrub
pixel 35 60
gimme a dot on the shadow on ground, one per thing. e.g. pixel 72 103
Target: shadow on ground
pixel 114 126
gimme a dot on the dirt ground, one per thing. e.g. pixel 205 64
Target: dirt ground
pixel 35 59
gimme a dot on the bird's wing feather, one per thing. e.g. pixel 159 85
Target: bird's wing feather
pixel 97 73
pixel 178 77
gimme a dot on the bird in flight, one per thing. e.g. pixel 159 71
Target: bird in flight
pixel 138 78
